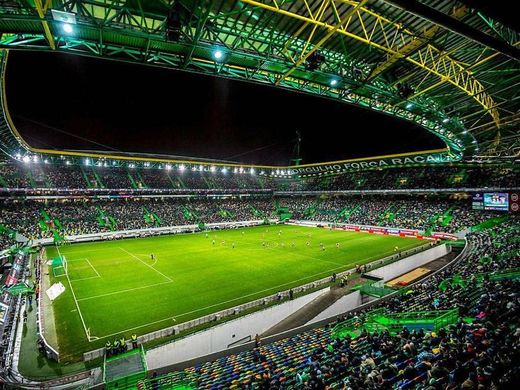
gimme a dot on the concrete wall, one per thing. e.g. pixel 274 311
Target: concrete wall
pixel 342 305
pixel 388 272
pixel 391 271
pixel 222 336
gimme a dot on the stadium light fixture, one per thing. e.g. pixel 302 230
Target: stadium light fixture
pixel 87 162
pixel 333 82
pixel 182 167
pixel 18 156
pixel 201 168
pixel 46 161
pixel 26 159
pixel 168 167
pixel 35 159
pixel 67 162
pixel 218 54
pixel 67 27
pixel 224 170
pixel 252 171
pixel 409 105
pixel 445 120
pixel 212 168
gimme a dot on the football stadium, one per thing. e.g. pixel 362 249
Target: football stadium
pixel 259 194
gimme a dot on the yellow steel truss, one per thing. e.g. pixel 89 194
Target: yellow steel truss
pixel 415 43
pixel 304 55
pixel 386 35
pixel 42 9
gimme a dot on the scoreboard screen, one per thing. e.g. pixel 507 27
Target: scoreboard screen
pixel 498 201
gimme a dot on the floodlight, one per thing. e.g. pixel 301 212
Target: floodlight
pixel 333 82
pixel 26 159
pixel 409 105
pixel 67 28
pixel 218 54
pixel 445 120
pixel 182 167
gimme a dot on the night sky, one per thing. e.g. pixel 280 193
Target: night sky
pixel 75 102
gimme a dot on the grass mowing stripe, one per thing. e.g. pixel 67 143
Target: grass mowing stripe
pixel 123 291
pixel 234 299
pixel 89 263
pixel 206 278
pixel 87 333
pixel 223 303
pixel 148 265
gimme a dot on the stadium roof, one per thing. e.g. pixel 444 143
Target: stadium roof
pixel 449 68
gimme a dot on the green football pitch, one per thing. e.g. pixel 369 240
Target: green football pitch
pixel 115 288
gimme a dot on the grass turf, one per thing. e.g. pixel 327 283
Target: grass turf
pixel 117 289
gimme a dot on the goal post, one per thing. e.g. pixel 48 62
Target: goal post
pixel 60 266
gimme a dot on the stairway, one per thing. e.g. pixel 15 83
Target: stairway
pixel 310 310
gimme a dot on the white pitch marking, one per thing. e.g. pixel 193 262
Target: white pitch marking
pixel 148 265
pixel 123 291
pixel 87 332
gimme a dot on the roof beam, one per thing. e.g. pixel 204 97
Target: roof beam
pixel 303 56
pixel 386 35
pixel 456 26
pixel 414 44
pixel 42 9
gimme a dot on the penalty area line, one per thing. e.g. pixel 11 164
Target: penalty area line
pixel 122 291
pixel 95 270
pixel 148 265
pixel 87 330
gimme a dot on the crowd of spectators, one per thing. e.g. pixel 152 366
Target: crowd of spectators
pixel 479 351
pixel 422 213
pixel 35 219
pixel 418 177
pixel 81 216
pixel 30 175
